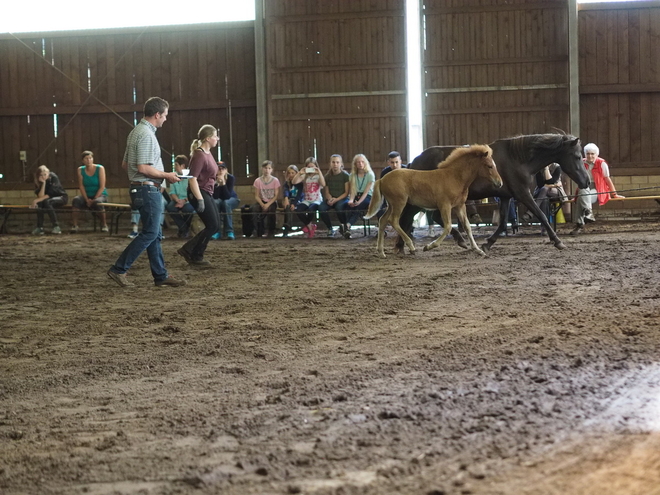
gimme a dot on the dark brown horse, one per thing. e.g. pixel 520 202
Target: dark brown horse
pixel 445 188
pixel 518 159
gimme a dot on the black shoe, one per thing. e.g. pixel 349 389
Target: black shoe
pixel 192 262
pixel 171 282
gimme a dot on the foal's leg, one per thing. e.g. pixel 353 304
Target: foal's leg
pixel 458 237
pixel 462 217
pixel 445 211
pixel 382 223
pixel 396 214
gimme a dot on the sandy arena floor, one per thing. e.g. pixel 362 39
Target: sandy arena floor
pixel 311 366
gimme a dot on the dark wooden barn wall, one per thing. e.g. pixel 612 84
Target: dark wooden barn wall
pixel 348 58
pixel 620 83
pixel 83 78
pixel 495 69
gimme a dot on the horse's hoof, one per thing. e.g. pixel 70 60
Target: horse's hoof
pixel 485 248
pixel 427 248
pixel 560 245
pixel 382 255
pixel 461 243
pixel 481 253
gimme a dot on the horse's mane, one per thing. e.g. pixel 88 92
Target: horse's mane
pixel 525 148
pixel 459 153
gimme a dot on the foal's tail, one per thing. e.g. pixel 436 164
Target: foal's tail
pixel 376 201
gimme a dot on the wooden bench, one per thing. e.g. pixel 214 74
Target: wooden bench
pixel 7 210
pixel 556 205
pixel 366 224
pixel 116 210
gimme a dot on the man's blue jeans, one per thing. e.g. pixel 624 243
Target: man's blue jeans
pixel 225 208
pixel 148 201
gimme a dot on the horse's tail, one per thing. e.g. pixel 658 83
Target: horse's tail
pixel 376 201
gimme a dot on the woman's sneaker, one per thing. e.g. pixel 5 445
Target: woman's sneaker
pixel 38 231
pixel 133 234
pixel 56 230
pixel 312 230
pixel 230 236
pixel 74 229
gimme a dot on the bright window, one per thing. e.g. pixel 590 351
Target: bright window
pixel 68 15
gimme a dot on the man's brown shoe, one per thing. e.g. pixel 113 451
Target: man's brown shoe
pixel 171 281
pixel 120 278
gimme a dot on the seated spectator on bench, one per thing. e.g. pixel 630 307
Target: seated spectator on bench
pixel 394 163
pixel 601 188
pixel 226 200
pixel 266 191
pixel 361 186
pixel 180 210
pixel 548 188
pixel 293 193
pixel 335 194
pixel 91 184
pixel 313 183
pixel 50 195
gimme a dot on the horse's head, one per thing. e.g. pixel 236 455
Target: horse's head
pixel 570 160
pixel 486 165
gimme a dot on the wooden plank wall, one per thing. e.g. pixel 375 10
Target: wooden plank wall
pixel 494 68
pixel 620 84
pixel 336 80
pixel 83 78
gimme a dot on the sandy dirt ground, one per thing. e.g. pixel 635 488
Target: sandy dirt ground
pixel 311 366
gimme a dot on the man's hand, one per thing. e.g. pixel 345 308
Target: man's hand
pixel 171 177
pixel 200 206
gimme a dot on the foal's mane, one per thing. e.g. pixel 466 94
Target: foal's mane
pixel 460 153
pixel 525 148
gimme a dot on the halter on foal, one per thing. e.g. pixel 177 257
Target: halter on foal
pixel 442 189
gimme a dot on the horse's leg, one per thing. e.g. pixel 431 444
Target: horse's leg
pixel 456 235
pixel 445 211
pixel 526 198
pixel 396 215
pixel 382 223
pixel 501 227
pixel 406 222
pixel 461 213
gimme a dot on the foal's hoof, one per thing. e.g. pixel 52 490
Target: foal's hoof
pixel 481 253
pixel 485 247
pixel 560 245
pixel 427 248
pixel 382 255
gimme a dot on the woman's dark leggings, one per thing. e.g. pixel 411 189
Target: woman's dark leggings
pixel 48 206
pixel 196 246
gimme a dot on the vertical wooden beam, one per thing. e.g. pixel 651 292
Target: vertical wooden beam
pixel 261 81
pixel 573 69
